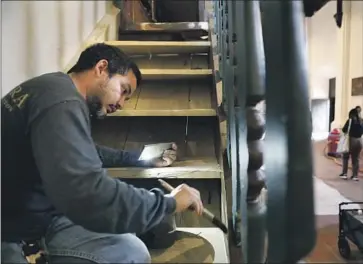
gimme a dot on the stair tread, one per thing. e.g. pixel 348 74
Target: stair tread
pixel 196 155
pixel 188 168
pixel 161 47
pixel 170 98
pixel 169 27
pixel 154 74
pixel 172 61
pixel 191 246
pixel 165 112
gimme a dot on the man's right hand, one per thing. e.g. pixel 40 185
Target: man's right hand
pixel 185 197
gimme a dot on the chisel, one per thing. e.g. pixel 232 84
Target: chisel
pixel 206 213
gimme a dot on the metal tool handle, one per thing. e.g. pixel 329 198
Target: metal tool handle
pixel 206 213
pixel 170 188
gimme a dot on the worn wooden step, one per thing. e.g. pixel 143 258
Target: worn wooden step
pixel 192 168
pixel 163 36
pixel 172 62
pixel 167 27
pixel 165 112
pixel 194 245
pixel 173 74
pixel 170 98
pixel 196 152
pixel 161 47
pixel 179 31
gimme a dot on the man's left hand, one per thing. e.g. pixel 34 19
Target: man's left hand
pixel 169 156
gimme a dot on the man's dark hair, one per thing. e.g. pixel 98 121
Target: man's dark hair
pixel 118 62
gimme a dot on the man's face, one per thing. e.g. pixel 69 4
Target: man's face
pixel 113 92
pixel 359 110
pixel 117 90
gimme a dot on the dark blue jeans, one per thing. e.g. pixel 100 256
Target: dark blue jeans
pixel 66 242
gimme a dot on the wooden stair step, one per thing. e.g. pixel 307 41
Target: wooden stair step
pixel 194 245
pixel 196 156
pixel 172 61
pixel 169 74
pixel 167 27
pixel 161 47
pixel 192 168
pixel 170 98
pixel 165 112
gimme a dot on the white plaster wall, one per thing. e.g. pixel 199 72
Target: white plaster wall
pixel 320 115
pixel 43 36
pixel 356 50
pixel 326 53
pixel 322 50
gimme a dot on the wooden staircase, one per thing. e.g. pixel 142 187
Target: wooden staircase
pixel 176 102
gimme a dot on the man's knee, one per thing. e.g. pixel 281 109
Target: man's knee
pixel 129 249
pixel 12 253
pixel 68 240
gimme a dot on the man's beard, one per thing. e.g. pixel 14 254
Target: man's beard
pixel 95 107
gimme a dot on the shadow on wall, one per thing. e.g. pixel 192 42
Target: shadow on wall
pixel 42 36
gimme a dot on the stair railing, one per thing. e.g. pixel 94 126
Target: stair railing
pixel 289 220
pixel 288 155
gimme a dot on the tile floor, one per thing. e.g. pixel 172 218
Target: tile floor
pixel 329 191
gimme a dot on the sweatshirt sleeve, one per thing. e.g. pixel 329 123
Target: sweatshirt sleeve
pixel 78 186
pixel 112 158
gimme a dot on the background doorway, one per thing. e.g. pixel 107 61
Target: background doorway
pixel 331 101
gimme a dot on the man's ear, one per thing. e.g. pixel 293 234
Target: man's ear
pixel 101 67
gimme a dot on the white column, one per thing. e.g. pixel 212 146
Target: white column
pixel 342 91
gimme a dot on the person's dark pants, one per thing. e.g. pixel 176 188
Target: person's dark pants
pixel 66 242
pixel 69 243
pixel 355 147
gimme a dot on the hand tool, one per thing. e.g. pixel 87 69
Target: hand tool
pixel 206 213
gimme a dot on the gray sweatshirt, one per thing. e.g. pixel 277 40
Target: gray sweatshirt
pixel 52 167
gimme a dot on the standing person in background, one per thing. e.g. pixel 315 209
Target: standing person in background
pixel 354 128
pixel 359 109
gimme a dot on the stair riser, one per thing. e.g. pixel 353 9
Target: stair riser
pixel 185 61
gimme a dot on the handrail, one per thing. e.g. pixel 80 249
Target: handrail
pixel 242 42
pixel 288 157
